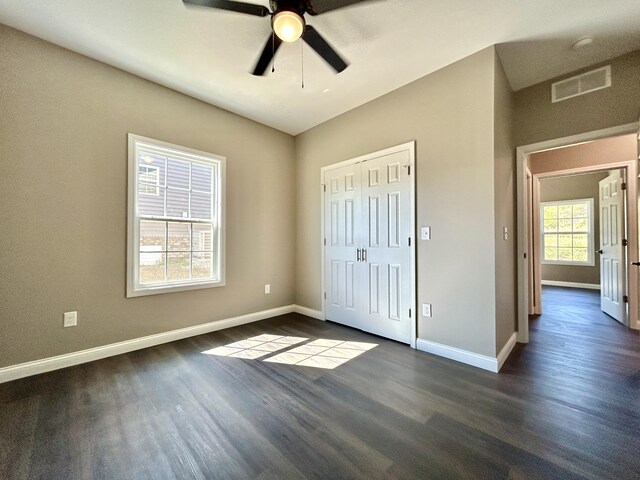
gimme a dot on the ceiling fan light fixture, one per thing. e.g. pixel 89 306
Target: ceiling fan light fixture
pixel 288 25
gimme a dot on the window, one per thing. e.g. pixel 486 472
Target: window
pixel 567 232
pixel 148 179
pixel 175 225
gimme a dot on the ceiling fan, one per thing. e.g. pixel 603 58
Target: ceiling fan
pixel 287 25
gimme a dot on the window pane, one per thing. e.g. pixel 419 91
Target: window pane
pixel 152 236
pixel 151 204
pixel 201 176
pixel 550 212
pixel 580 210
pixel 177 203
pixel 202 266
pixel 550 253
pixel 580 255
pixel 565 241
pixel 565 254
pixel 550 240
pixel 178 266
pixel 564 211
pixel 152 267
pixel 201 205
pixel 202 237
pixel 580 225
pixel 179 236
pixel 564 224
pixel 177 174
pixel 551 225
pixel 581 240
pixel 153 162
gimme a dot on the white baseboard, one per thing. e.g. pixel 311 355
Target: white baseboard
pixel 506 350
pixel 309 312
pixel 21 370
pixel 557 283
pixel 464 356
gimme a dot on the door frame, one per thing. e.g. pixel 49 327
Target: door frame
pixel 411 148
pixel 522 155
pixel 536 235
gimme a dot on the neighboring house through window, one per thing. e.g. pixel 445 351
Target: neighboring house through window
pixel 567 232
pixel 148 178
pixel 175 232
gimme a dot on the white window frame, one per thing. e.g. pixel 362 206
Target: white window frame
pixel 590 235
pixel 134 288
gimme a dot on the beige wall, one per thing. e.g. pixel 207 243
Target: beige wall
pixel 504 204
pixel 600 152
pixel 63 167
pixel 450 114
pixel 537 119
pixel 573 188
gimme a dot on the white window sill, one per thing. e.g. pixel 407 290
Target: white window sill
pixel 573 264
pixel 141 291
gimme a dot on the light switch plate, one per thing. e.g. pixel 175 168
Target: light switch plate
pixel 425 233
pixel 70 319
pixel 267 288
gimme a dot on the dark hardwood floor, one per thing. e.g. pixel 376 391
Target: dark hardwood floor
pixel 565 406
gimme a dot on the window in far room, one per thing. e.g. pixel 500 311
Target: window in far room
pixel 567 232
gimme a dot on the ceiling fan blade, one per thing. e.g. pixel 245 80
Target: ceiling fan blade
pixel 317 7
pixel 270 49
pixel 326 51
pixel 240 7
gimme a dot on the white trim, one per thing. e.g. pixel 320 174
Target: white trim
pixel 21 370
pixel 506 350
pixel 464 356
pixel 309 312
pixel 557 283
pixel 411 148
pixel 134 289
pixel 521 214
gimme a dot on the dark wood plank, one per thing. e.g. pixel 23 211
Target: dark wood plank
pixel 565 406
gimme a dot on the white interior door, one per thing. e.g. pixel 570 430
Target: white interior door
pixel 342 200
pixel 386 222
pixel 368 230
pixel 612 253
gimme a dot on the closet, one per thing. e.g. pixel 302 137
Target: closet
pixel 368 243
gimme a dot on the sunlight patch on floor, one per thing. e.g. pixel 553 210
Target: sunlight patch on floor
pixel 256 347
pixel 321 353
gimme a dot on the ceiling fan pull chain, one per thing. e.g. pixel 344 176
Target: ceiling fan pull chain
pixel 302 60
pixel 273 49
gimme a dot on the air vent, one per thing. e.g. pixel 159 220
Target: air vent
pixel 581 84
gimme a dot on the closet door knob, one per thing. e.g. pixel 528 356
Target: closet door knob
pixel 358 255
pixel 600 251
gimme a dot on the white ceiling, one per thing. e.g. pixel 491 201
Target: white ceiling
pixel 208 53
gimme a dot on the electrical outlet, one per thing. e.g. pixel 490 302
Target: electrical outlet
pixel 505 233
pixel 267 288
pixel 70 319
pixel 425 233
pixel 426 309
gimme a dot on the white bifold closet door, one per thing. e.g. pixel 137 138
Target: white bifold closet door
pixel 368 251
